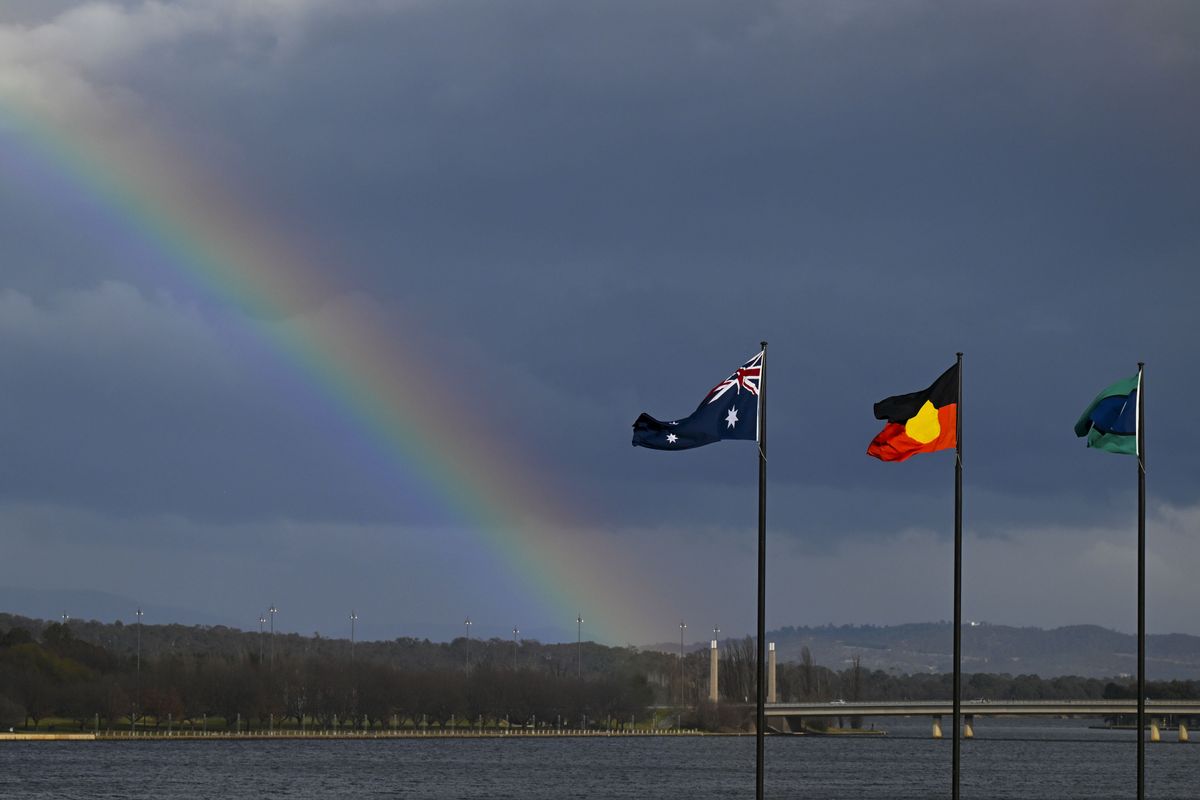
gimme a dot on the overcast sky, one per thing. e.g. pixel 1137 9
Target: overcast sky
pixel 576 212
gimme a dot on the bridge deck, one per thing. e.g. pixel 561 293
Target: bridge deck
pixel 984 708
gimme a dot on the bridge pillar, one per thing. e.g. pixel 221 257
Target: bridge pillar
pixel 1154 735
pixel 712 672
pixel 771 673
pixel 1183 734
pixel 771 697
pixel 791 724
pixel 937 727
pixel 969 726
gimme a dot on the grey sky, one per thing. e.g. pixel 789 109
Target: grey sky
pixel 585 211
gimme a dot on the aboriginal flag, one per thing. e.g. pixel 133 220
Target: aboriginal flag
pixel 921 422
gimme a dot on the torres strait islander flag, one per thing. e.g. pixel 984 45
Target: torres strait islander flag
pixel 1110 423
pixel 920 422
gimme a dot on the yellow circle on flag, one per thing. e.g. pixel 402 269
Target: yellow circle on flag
pixel 924 427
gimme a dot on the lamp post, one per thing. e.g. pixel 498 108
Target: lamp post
pixel 353 671
pixel 272 611
pixel 467 623
pixel 515 632
pixel 579 646
pixel 261 621
pixel 137 701
pixel 679 716
pixel 65 618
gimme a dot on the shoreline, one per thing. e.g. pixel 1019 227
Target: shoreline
pixel 165 736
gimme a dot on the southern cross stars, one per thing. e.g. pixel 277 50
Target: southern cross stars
pixel 731 418
pixel 672 438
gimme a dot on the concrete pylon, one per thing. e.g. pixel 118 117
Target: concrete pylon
pixel 1183 734
pixel 969 726
pixel 937 727
pixel 771 697
pixel 1155 736
pixel 712 672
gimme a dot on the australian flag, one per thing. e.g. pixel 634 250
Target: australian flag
pixel 728 411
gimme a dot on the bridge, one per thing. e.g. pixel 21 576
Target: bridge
pixel 921 708
pixel 790 716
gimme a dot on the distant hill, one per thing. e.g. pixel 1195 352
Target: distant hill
pixel 1088 651
pixel 1084 650
pixel 86 604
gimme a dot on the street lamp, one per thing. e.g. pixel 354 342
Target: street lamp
pixel 65 618
pixel 273 611
pixel 261 621
pixel 515 632
pixel 137 702
pixel 353 671
pixel 579 646
pixel 467 622
pixel 678 718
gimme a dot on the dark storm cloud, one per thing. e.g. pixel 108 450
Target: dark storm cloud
pixel 620 201
pixel 657 188
pixel 129 404
pixel 587 211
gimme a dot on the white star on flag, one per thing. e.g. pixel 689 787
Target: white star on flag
pixel 672 438
pixel 731 418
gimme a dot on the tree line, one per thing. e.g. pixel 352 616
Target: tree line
pixel 89 673
pixel 54 673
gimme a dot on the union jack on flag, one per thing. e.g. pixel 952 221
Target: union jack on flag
pixel 722 414
pixel 746 377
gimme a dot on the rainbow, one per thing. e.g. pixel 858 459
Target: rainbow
pixel 357 369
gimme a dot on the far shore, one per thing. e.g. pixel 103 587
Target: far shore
pixel 148 736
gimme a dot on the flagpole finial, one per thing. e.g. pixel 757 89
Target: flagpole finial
pixel 959 354
pixel 763 343
pixel 1140 365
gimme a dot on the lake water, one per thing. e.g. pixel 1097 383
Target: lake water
pixel 1008 759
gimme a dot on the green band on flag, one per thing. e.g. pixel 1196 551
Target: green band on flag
pixel 1122 444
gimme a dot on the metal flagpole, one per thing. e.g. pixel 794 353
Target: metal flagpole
pixel 761 719
pixel 957 582
pixel 1141 681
